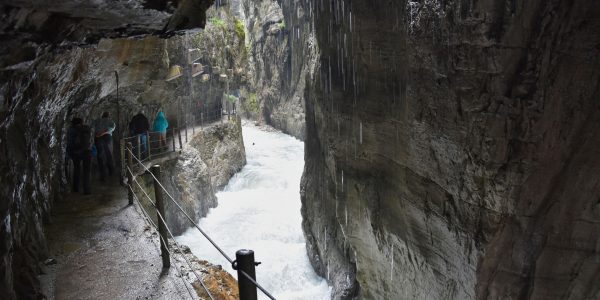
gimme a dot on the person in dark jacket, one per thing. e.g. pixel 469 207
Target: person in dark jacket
pixel 79 150
pixel 139 126
pixel 103 129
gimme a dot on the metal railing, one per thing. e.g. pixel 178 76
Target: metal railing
pixel 244 263
pixel 203 118
pixel 150 145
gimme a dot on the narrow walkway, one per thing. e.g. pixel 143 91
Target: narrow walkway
pixel 101 248
pixel 104 250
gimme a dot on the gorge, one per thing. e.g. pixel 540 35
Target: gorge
pixel 451 146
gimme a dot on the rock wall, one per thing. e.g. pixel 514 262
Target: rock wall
pixel 39 97
pixel 204 166
pixel 221 147
pixel 221 50
pixel 44 81
pixel 85 22
pixel 452 149
pixel 277 31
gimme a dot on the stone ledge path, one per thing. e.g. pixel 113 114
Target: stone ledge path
pixel 105 250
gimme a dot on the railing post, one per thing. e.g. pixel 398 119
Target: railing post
pixel 160 212
pixel 179 135
pixel 174 149
pixel 129 172
pixel 149 145
pixel 186 135
pixel 245 262
pixel 139 146
pixel 123 158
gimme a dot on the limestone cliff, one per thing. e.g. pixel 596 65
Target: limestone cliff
pixel 452 149
pixel 213 155
pixel 221 147
pixel 277 71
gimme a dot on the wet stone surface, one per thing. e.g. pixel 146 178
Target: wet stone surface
pixel 105 250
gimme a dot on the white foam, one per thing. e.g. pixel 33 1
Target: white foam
pixel 260 210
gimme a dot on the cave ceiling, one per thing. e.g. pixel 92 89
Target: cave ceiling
pixel 83 22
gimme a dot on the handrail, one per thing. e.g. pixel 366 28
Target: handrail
pixel 172 236
pixel 184 213
pixel 214 112
pixel 150 145
pixel 131 154
pixel 147 217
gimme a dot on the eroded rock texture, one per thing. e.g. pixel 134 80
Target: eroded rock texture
pixel 44 81
pixel 204 166
pixel 277 34
pixel 221 147
pixel 87 21
pixel 452 149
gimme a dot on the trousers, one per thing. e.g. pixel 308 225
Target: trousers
pixel 82 170
pixel 105 157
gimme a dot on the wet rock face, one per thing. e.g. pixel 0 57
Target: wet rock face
pixel 221 147
pixel 221 50
pixel 42 85
pixel 451 149
pixel 276 32
pixel 86 21
pixel 203 167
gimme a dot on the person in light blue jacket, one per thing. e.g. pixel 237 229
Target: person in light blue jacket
pixel 160 125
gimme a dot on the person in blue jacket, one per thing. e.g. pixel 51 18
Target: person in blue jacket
pixel 160 125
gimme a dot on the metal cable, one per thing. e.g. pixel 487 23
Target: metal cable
pixel 256 283
pixel 143 210
pixel 179 270
pixel 184 257
pixel 142 189
pixel 200 229
pixel 172 236
pixel 185 214
pixel 155 227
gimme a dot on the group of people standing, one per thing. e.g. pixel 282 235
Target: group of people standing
pixel 84 142
pixel 139 127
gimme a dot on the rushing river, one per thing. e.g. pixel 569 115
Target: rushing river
pixel 260 210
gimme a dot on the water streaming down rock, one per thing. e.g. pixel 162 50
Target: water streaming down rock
pixel 469 178
pixel 260 210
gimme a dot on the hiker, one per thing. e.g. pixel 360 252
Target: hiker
pixel 104 128
pixel 139 126
pixel 79 150
pixel 160 125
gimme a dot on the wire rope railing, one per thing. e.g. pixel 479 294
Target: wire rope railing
pixel 149 145
pixel 147 217
pixel 244 263
pixel 160 216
